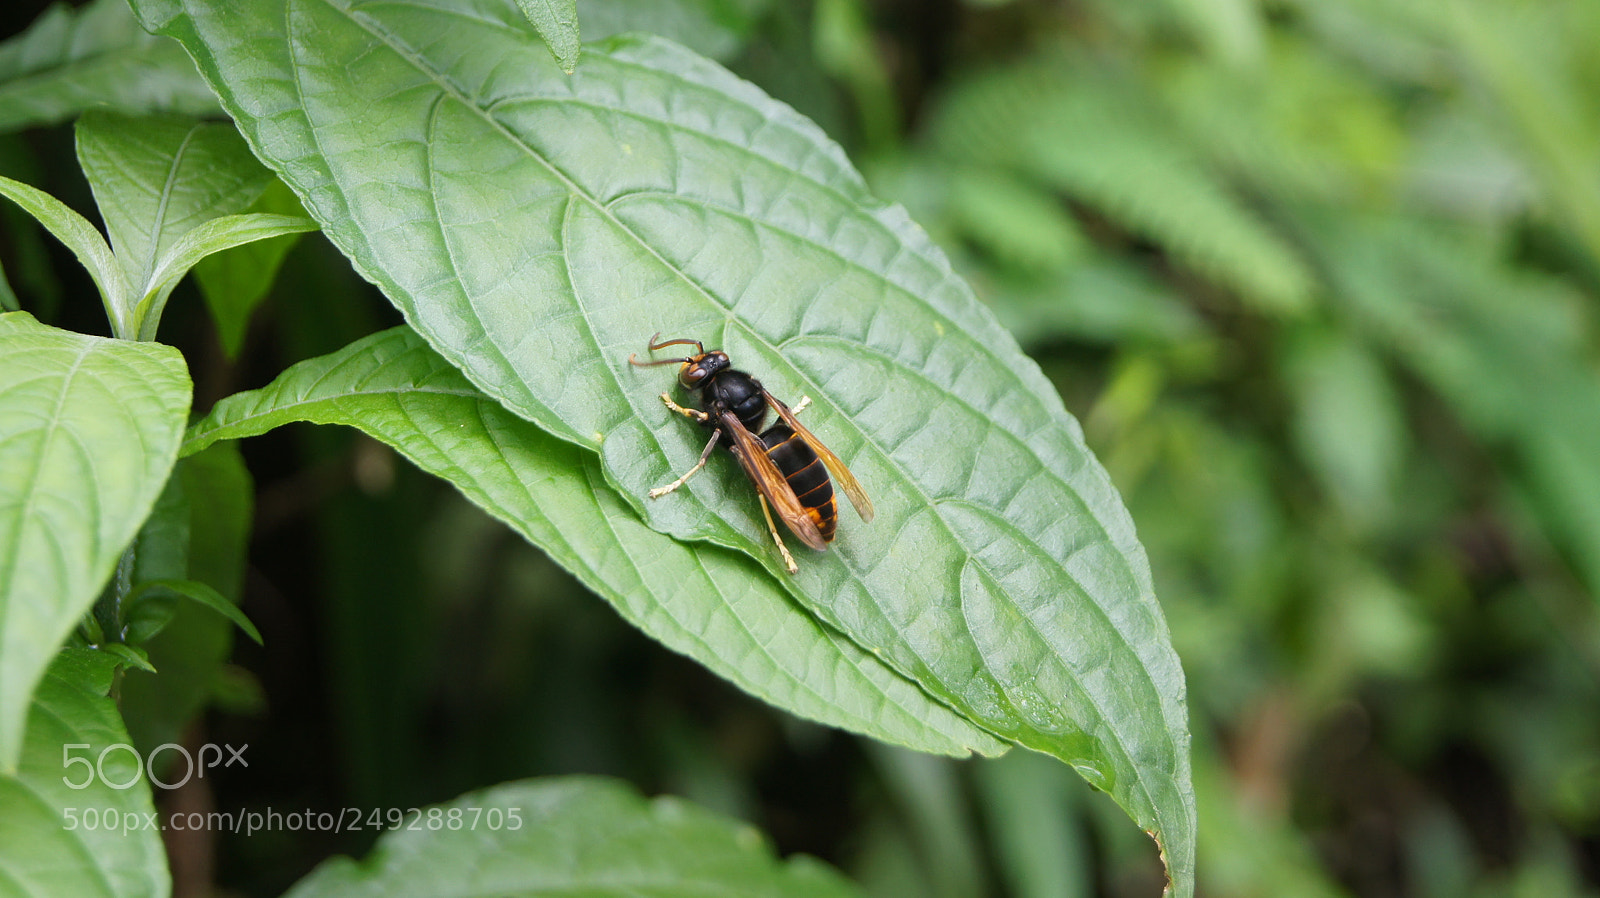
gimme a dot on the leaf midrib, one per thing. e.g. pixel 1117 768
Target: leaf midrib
pixel 158 222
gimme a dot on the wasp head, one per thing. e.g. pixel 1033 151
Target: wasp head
pixel 698 370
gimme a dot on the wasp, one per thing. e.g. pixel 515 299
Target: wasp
pixel 786 462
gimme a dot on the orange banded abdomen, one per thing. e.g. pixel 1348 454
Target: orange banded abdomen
pixel 806 475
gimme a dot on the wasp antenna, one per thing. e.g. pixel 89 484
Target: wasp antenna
pixel 699 347
pixel 633 359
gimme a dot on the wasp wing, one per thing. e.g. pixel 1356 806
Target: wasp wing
pixel 752 456
pixel 842 474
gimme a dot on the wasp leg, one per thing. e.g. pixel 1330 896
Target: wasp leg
pixel 788 560
pixel 801 405
pixel 660 491
pixel 696 414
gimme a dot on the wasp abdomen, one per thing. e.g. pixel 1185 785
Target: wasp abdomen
pixel 806 476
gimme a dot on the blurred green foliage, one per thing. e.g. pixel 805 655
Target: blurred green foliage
pixel 1318 276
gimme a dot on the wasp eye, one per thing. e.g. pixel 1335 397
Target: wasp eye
pixel 692 375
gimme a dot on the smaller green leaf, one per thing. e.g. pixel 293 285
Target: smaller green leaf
pixel 89 630
pixel 221 509
pixel 147 617
pixel 557 23
pixel 69 829
pixel 86 667
pixel 97 56
pixel 169 188
pixel 157 177
pixel 85 242
pixel 130 655
pixel 573 836
pixel 205 595
pixel 89 429
pixel 160 551
pixel 214 236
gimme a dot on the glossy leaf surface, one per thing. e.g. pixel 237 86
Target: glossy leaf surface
pixel 536 228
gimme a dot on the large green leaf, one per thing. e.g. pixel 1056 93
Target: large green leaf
pixel 572 836
pixel 94 57
pixel 66 828
pixel 89 429
pixel 536 228
pixel 713 605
